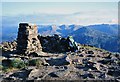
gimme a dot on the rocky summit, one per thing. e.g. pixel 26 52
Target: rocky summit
pixel 35 57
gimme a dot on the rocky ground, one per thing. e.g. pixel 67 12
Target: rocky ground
pixel 88 63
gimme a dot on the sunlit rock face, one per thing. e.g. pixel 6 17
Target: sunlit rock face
pixel 27 40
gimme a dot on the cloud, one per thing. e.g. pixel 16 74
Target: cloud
pixel 80 18
pixel 113 21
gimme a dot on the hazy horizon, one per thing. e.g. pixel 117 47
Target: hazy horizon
pixel 80 13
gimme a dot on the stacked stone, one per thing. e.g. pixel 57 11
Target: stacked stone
pixel 27 40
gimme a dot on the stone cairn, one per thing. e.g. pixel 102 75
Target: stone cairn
pixel 27 40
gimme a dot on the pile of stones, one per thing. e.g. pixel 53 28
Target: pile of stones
pixel 54 44
pixel 9 46
pixel 27 40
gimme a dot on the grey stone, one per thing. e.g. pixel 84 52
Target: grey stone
pixel 27 40
pixel 58 61
pixel 9 46
pixel 90 52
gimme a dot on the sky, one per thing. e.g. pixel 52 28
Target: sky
pixel 60 0
pixel 81 13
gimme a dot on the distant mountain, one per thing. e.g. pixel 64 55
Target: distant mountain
pixel 96 38
pixel 9 33
pixel 102 35
pixel 106 28
pixel 65 30
pixel 44 29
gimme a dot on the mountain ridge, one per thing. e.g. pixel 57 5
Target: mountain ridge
pixel 106 34
pixel 37 57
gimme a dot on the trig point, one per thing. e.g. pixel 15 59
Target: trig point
pixel 27 40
